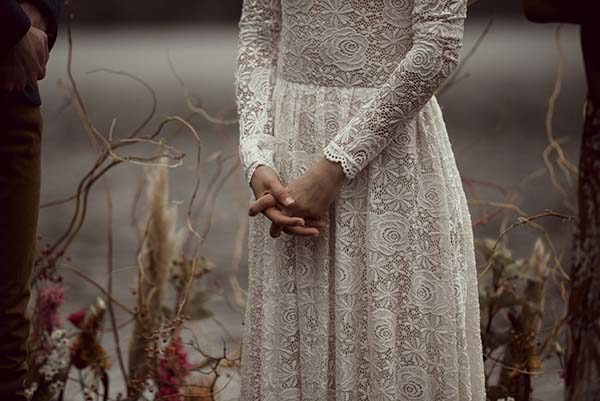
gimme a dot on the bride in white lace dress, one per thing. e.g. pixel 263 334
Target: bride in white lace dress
pixel 383 304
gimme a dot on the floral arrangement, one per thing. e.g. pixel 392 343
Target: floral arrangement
pixel 159 362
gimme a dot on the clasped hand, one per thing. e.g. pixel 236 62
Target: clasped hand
pixel 297 208
pixel 25 63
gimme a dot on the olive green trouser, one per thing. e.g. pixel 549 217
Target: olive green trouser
pixel 20 157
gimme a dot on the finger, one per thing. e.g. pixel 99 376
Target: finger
pixel 30 73
pixel 282 194
pixel 262 203
pixel 46 49
pixel 44 38
pixel 35 75
pixel 41 73
pixel 41 48
pixel 302 231
pixel 318 223
pixel 275 230
pixel 279 217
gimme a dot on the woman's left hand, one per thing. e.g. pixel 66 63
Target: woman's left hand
pixel 314 191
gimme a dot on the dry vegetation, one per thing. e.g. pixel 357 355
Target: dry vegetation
pixel 522 316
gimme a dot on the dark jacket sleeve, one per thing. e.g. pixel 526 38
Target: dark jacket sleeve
pixel 50 9
pixel 14 24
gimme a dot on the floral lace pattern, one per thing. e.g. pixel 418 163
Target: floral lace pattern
pixel 384 304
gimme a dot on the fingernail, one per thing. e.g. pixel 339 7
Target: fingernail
pixel 288 201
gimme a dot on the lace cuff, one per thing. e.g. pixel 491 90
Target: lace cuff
pixel 255 150
pixel 334 153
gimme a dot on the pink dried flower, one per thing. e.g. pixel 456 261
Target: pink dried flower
pixel 173 367
pixel 86 350
pixel 50 298
pixel 77 317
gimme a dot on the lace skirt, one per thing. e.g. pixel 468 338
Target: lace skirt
pixel 383 305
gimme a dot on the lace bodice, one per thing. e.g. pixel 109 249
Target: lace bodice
pixel 344 43
pixel 405 48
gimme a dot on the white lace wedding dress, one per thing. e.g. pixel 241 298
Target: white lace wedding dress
pixel 384 304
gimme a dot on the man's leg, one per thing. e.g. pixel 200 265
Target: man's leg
pixel 20 151
pixel 583 362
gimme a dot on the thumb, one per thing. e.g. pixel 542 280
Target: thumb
pixel 281 194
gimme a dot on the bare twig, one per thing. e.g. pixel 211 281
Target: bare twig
pixel 109 284
pixel 521 221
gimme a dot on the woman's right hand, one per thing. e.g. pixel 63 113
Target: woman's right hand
pixel 270 194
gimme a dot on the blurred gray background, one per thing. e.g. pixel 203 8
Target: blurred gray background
pixel 495 117
pixel 136 12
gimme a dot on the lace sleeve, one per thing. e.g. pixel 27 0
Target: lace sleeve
pixel 437 39
pixel 259 25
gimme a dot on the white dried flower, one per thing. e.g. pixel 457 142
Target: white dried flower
pixel 30 391
pixel 57 335
pixel 56 387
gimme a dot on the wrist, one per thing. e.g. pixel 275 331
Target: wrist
pixel 333 170
pixel 262 179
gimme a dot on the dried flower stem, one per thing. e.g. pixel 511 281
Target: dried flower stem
pixel 109 284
